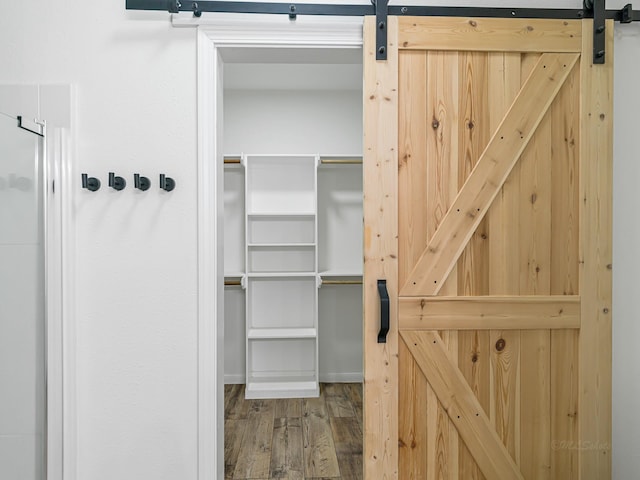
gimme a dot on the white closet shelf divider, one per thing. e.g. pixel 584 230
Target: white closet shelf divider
pixel 281 333
pixel 276 245
pixel 281 214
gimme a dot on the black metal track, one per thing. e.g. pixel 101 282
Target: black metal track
pixel 362 10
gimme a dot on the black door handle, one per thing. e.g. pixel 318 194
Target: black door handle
pixel 384 311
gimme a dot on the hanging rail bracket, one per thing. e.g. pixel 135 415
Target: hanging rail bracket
pixel 595 9
pixel 598 10
pixel 382 14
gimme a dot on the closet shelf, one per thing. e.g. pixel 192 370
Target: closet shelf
pixel 281 274
pixel 281 214
pixel 340 273
pixel 276 245
pixel 280 333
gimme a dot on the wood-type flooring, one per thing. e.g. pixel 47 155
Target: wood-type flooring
pixel 295 439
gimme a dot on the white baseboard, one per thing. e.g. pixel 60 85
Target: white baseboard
pixel 345 377
pixel 231 379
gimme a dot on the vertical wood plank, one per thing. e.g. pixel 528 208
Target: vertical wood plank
pixel 380 183
pixel 564 404
pixel 504 246
pixel 286 450
pixel 565 141
pixel 535 441
pixel 442 132
pixel 535 279
pixel 337 399
pixel 288 408
pixel 596 171
pixel 504 85
pixel 474 133
pixel 320 458
pixel 442 129
pixel 413 178
pixel 355 395
pixel 535 213
pixel 233 436
pixel 237 407
pixel 347 438
pixel 505 401
pixel 448 464
pixel 565 188
pixel 474 363
pixel 254 457
pixel 412 441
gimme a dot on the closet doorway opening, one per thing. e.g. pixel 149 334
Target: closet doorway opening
pixel 289 148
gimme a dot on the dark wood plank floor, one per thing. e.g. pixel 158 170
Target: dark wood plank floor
pixel 295 439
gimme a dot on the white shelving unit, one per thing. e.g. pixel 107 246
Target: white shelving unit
pixel 281 276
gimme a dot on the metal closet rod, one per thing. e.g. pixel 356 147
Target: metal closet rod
pixel 341 282
pixel 236 283
pixel 323 160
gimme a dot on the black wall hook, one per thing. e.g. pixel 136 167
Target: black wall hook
pixel 117 183
pixel 90 183
pixel 141 183
pixel 167 183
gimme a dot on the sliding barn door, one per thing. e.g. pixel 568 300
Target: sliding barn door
pixel 488 166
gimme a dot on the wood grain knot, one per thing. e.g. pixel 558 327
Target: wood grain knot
pixel 501 344
pixel 473 23
pixel 435 124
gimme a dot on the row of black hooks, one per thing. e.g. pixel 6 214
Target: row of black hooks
pixel 119 183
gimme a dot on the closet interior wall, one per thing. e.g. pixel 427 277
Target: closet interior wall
pixel 299 103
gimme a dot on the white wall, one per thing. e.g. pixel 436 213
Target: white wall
pixel 136 252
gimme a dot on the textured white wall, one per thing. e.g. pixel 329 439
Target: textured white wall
pixel 136 252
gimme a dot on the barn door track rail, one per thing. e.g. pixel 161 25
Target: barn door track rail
pixel 595 9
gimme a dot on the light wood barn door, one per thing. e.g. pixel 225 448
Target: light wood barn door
pixel 488 167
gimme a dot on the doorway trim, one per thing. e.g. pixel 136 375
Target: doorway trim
pixel 215 34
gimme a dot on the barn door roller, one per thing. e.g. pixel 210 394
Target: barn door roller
pixel 595 9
